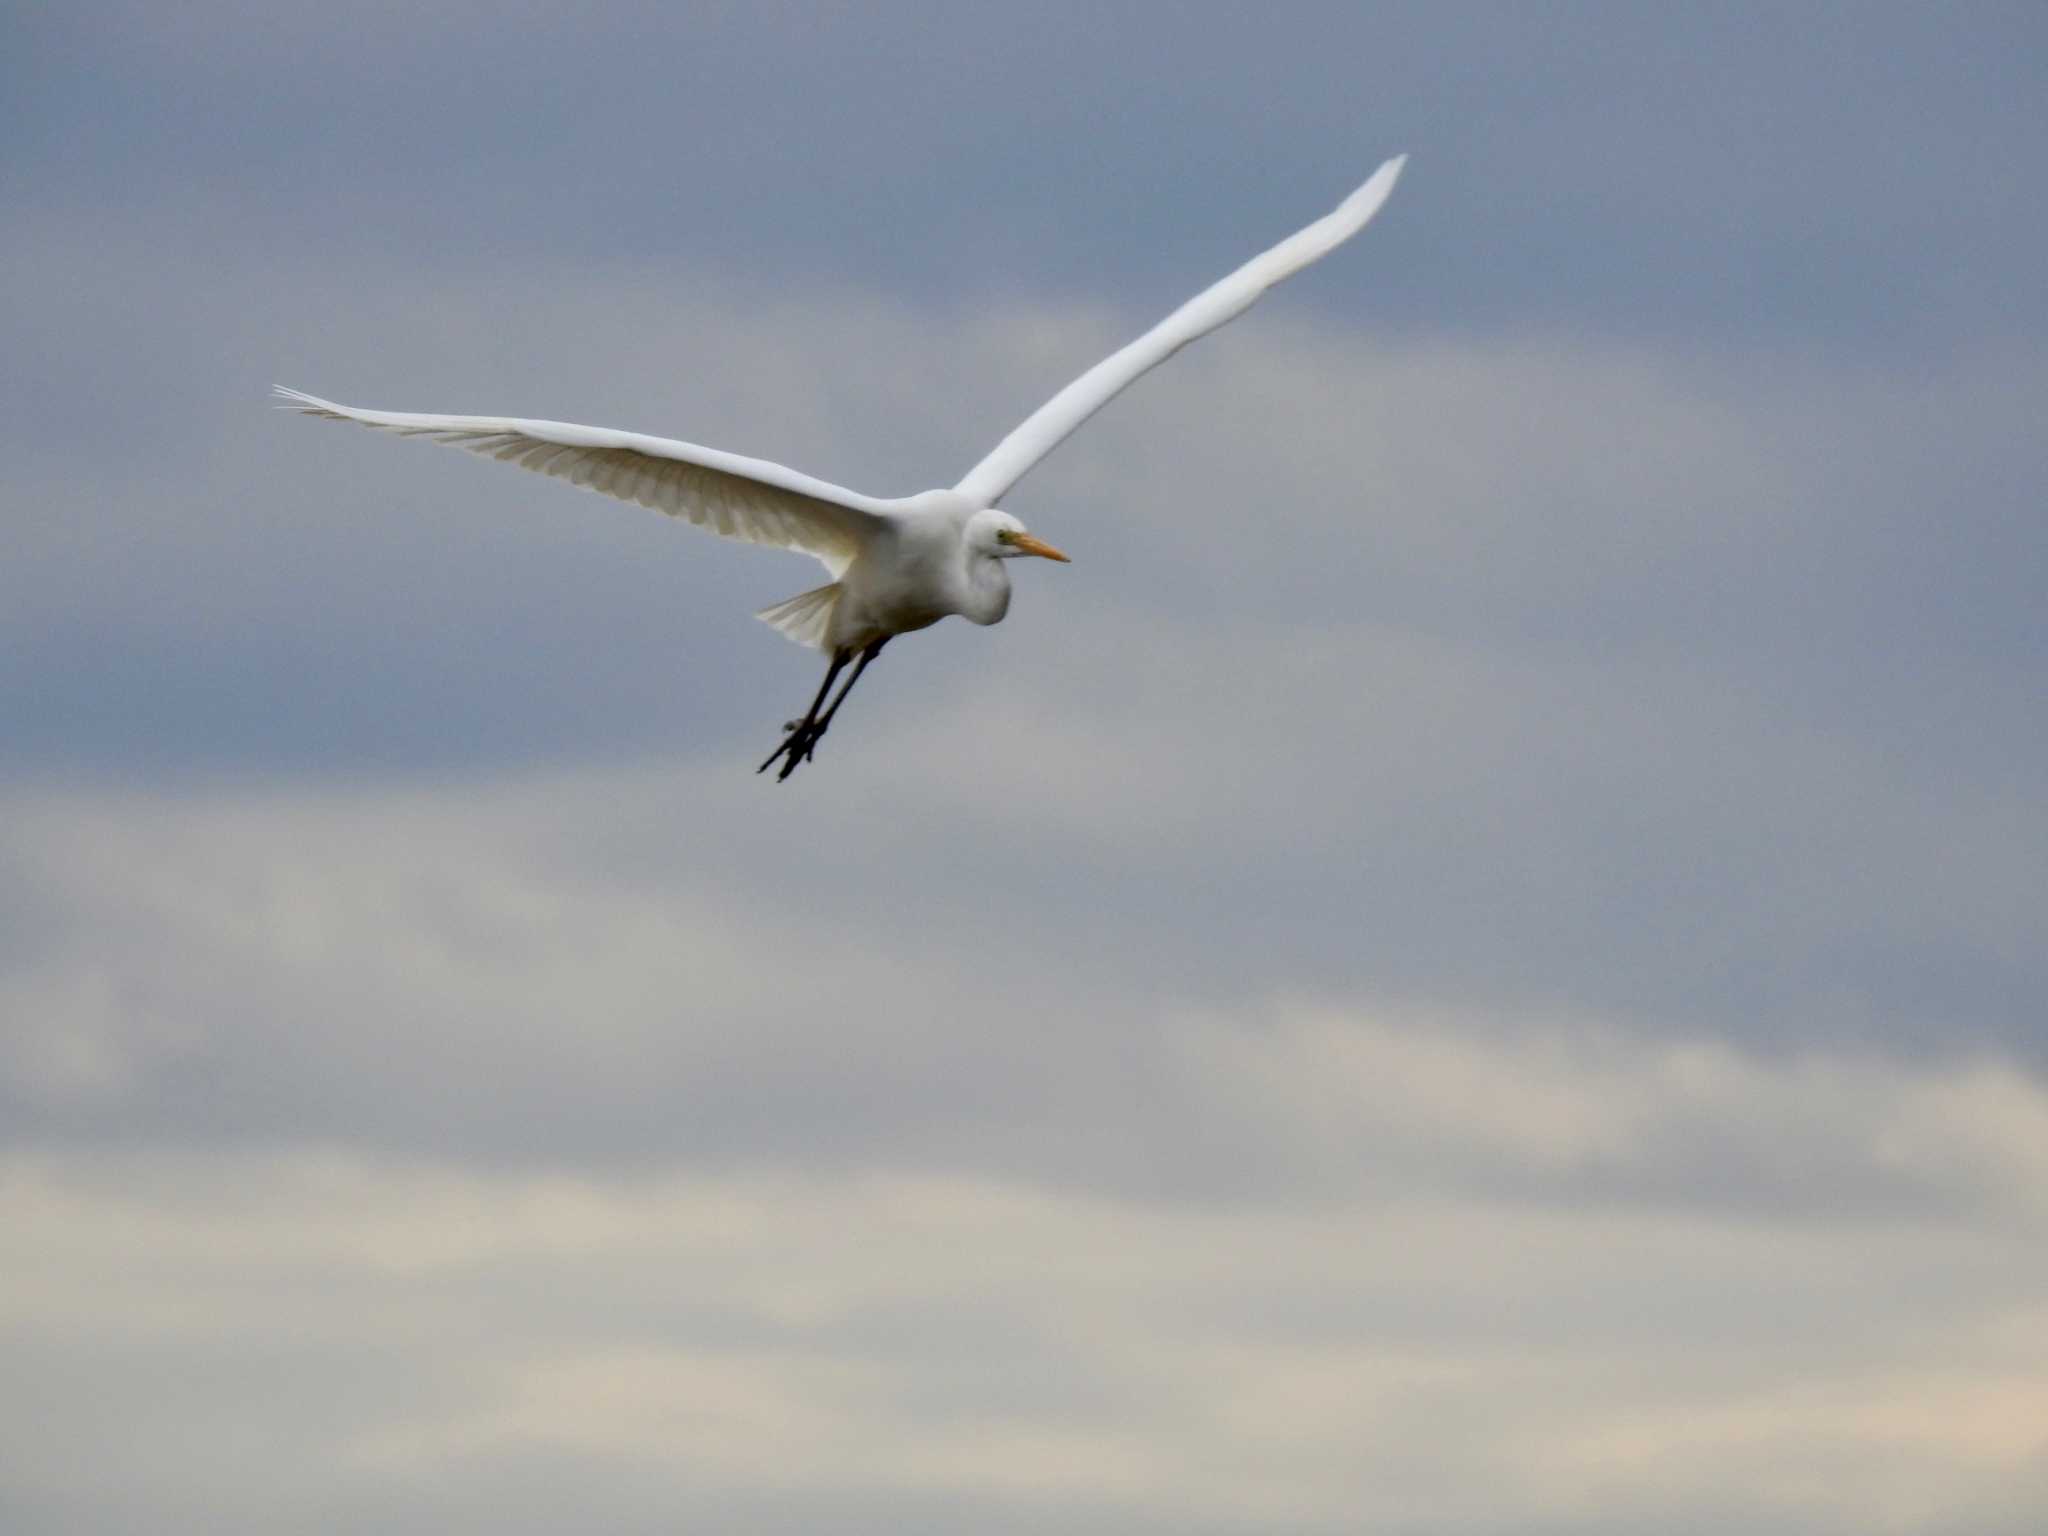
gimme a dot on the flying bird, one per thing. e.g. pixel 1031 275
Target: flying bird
pixel 897 564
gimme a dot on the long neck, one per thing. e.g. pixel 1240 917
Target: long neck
pixel 988 589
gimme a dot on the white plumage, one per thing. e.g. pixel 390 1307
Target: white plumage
pixel 896 564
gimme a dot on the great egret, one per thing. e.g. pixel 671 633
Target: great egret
pixel 896 565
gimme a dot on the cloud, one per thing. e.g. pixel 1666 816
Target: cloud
pixel 1664 175
pixel 313 1335
pixel 616 968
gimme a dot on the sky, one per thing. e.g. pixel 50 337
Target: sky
pixel 1475 964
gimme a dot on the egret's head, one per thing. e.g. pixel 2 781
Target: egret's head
pixel 1000 535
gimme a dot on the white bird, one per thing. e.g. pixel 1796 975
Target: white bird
pixel 896 564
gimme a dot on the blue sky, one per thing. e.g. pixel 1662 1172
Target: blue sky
pixel 1474 964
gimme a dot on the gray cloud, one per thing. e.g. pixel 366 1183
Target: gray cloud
pixel 1581 675
pixel 626 969
pixel 1597 167
pixel 433 1345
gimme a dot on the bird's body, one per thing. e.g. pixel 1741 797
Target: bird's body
pixel 897 565
pixel 916 571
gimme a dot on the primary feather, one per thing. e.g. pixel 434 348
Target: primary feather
pixel 739 497
pixel 1049 426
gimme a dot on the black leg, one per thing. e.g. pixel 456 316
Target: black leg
pixel 795 733
pixel 825 720
pixel 803 740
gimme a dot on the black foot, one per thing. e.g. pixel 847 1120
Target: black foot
pixel 799 742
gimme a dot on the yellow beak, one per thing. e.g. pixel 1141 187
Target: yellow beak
pixel 1024 543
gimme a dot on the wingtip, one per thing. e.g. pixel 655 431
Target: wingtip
pixel 289 399
pixel 1365 201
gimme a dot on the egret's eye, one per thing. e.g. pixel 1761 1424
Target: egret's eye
pixel 1005 536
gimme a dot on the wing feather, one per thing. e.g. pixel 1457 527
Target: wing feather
pixel 741 498
pixel 1047 427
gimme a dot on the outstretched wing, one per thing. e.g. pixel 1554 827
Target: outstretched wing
pixel 1048 426
pixel 741 498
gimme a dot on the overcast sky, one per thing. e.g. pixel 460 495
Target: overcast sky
pixel 1475 964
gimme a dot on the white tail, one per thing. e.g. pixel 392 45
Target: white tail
pixel 805 618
